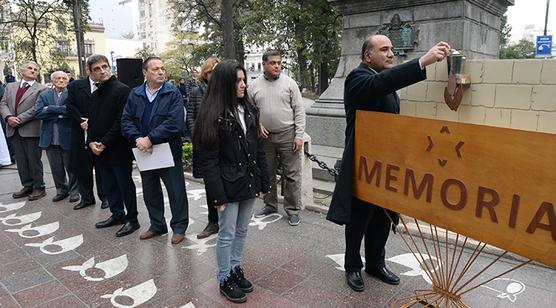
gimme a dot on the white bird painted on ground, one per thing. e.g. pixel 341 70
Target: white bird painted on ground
pixel 28 231
pixel 64 245
pixel 110 267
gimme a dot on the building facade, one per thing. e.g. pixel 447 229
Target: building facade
pixel 155 24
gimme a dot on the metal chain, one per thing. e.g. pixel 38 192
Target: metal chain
pixel 322 165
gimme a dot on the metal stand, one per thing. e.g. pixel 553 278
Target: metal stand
pixel 452 275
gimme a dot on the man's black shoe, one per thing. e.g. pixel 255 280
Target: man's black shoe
pixel 82 204
pixel 24 192
pixel 128 228
pixel 385 275
pixel 232 292
pixel 239 277
pixel 111 221
pixel 355 281
pixel 59 197
pixel 104 204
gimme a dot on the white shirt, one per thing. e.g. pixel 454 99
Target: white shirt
pixel 93 87
pixel 30 83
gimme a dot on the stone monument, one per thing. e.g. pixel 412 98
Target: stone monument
pixel 472 26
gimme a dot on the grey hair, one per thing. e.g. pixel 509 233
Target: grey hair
pixel 24 64
pixel 56 72
pixel 91 60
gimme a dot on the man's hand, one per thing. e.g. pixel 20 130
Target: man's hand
pixel 144 144
pixel 97 147
pixel 85 124
pixel 14 121
pixel 297 144
pixel 45 109
pixel 221 207
pixel 435 54
pixel 264 132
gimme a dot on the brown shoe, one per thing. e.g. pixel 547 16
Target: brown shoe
pixel 211 228
pixel 37 194
pixel 149 234
pixel 177 238
pixel 24 192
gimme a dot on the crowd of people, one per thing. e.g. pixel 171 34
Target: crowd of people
pixel 89 128
pixel 241 136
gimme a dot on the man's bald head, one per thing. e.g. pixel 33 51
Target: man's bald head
pixel 59 80
pixel 378 52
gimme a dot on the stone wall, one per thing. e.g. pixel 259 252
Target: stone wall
pixel 520 94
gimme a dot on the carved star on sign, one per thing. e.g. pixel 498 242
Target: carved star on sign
pixel 457 148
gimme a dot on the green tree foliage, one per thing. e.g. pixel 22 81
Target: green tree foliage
pixel 34 17
pixel 522 50
pixel 306 31
pixel 505 30
pixel 144 52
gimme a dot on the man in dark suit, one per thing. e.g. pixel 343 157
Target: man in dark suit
pixel 51 109
pixel 81 158
pixel 372 86
pixel 111 149
pixel 23 128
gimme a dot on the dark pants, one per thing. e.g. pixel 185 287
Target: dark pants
pixel 119 189
pixel 372 222
pixel 213 214
pixel 28 159
pixel 58 160
pixel 84 172
pixel 154 200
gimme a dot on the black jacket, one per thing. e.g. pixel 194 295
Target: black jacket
pixel 78 102
pixel 365 89
pixel 194 103
pixel 235 169
pixel 105 113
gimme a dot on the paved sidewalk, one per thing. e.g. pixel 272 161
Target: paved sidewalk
pixel 72 264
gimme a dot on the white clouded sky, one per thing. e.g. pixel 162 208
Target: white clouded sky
pixel 525 12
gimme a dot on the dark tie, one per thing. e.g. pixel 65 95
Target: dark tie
pixel 25 85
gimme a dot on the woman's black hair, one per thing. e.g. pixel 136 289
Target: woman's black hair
pixel 219 100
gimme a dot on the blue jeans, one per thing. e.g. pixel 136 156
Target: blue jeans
pixel 233 224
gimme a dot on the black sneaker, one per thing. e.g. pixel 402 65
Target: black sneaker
pixel 232 292
pixel 239 278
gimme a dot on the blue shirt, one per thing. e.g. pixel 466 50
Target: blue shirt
pixel 146 119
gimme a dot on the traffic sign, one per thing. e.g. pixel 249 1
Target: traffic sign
pixel 544 45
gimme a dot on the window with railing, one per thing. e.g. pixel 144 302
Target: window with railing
pixel 89 48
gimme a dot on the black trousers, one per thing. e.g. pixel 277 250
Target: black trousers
pixel 120 190
pixel 369 221
pixel 213 214
pixel 28 158
pixel 84 172
pixel 154 199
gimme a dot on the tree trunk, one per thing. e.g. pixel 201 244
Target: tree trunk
pixel 323 77
pixel 227 21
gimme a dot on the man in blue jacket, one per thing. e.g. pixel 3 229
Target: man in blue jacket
pixel 55 136
pixel 153 115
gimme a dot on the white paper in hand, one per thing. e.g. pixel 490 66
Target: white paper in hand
pixel 161 157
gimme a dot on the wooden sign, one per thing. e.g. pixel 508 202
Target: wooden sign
pixel 496 185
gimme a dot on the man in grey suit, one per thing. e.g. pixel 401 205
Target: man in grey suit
pixel 17 107
pixel 56 136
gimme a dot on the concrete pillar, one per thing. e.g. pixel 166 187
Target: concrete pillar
pixel 306 174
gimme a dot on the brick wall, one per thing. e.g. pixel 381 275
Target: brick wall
pixel 519 94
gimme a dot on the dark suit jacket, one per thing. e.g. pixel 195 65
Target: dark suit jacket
pixel 30 125
pixel 366 89
pixel 105 113
pixel 55 114
pixel 78 101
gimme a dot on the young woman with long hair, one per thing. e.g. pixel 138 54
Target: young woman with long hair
pixel 228 151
